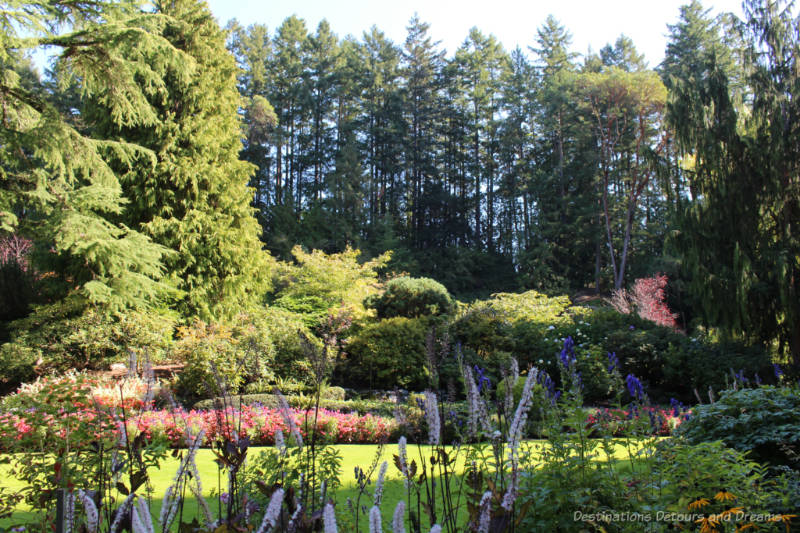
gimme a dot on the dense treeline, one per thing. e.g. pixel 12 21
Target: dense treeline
pixel 485 162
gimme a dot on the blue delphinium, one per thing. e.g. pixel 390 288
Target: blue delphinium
pixel 613 362
pixel 634 386
pixel 481 378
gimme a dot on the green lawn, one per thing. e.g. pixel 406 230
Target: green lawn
pixel 352 455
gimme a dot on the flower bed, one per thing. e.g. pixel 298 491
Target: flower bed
pixel 258 423
pixel 618 421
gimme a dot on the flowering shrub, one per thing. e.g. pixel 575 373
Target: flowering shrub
pixel 129 393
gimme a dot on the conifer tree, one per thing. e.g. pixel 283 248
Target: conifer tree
pixel 57 184
pixel 196 200
pixel 738 233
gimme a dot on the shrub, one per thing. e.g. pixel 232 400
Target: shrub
pixel 764 421
pixel 286 330
pixel 412 298
pixel 223 357
pixel 67 335
pixel 389 354
pixel 319 283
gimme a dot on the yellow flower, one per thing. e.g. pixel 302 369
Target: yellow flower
pixel 698 503
pixel 749 525
pixel 785 518
pixel 732 510
pixel 708 524
pixel 724 495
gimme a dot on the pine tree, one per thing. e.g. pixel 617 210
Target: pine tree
pixel 196 201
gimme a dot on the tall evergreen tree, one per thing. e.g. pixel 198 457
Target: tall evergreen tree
pixel 739 230
pixel 59 185
pixel 196 200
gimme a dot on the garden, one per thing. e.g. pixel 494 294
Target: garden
pixel 261 280
pixel 516 416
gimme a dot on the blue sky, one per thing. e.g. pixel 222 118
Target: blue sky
pixel 592 23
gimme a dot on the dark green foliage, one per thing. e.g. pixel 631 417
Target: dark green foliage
pixel 18 291
pixel 412 298
pixel 532 328
pixel 376 407
pixel 68 336
pixel 764 422
pixel 389 354
pixel 736 120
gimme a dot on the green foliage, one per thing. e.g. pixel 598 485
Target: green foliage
pixel 412 298
pixel 320 284
pixel 286 331
pixel 60 183
pixel 389 354
pixel 195 199
pixel 18 291
pixel 732 121
pixel 764 422
pixel 375 407
pixel 221 358
pixel 66 336
pixel 532 328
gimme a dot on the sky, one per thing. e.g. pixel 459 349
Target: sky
pixel 592 23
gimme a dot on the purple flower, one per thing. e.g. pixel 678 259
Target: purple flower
pixel 677 407
pixel 634 386
pixel 482 380
pixel 547 383
pixel 613 362
pixel 555 398
pixel 777 369
pixel 567 355
pixel 631 327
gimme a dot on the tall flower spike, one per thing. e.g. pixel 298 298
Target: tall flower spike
pixel 402 455
pixel 521 414
pixel 329 519
pixel 141 512
pixel 398 519
pixel 122 510
pixel 92 518
pixel 280 444
pixel 485 508
pixel 273 511
pixel 379 484
pixel 432 417
pixel 374 520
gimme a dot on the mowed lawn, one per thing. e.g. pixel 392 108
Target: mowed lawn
pixel 353 455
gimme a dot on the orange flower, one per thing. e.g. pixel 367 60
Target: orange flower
pixel 708 524
pixel 785 518
pixel 698 503
pixel 724 495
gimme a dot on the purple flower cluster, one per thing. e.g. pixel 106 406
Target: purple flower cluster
pixel 634 387
pixel 613 362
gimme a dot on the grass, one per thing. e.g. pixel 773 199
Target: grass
pixel 353 455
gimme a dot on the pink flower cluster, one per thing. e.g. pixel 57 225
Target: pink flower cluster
pixel 257 423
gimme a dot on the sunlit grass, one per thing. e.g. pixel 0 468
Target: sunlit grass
pixel 353 455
